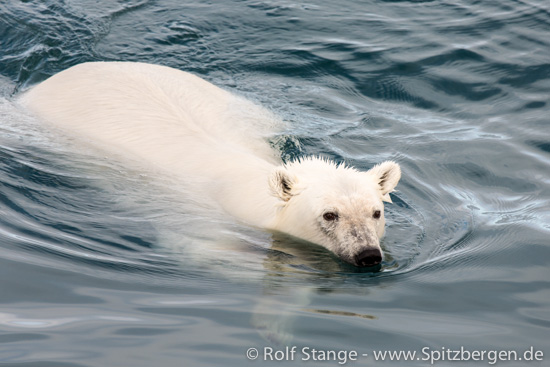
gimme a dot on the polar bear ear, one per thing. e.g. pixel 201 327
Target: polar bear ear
pixel 387 175
pixel 281 182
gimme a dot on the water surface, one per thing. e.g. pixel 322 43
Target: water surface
pixel 108 264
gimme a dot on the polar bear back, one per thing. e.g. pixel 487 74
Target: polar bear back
pixel 156 113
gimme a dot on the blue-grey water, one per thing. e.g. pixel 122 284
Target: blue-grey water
pixel 104 264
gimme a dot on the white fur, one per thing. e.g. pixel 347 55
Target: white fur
pixel 184 125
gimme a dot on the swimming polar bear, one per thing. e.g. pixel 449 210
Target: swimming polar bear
pixel 180 123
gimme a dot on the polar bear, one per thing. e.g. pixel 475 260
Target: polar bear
pixel 182 124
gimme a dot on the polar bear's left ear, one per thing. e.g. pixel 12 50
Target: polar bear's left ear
pixel 281 182
pixel 387 175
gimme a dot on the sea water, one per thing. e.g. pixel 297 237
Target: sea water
pixel 108 264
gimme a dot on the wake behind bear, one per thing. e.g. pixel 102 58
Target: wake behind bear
pixel 188 127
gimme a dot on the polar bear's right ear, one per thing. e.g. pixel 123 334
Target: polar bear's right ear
pixel 386 174
pixel 281 182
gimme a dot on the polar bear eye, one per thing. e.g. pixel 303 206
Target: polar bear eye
pixel 376 214
pixel 330 216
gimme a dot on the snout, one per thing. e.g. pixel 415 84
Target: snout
pixel 369 257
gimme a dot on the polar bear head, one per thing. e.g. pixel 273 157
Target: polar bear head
pixel 335 206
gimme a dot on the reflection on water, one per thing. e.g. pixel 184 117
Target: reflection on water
pixel 342 313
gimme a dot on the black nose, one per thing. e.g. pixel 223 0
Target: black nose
pixel 369 257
